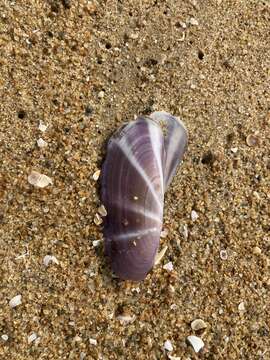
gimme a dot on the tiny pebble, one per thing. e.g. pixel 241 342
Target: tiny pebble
pixel 93 341
pixel 168 266
pixel 252 140
pixel 97 219
pixel 42 127
pixel 4 337
pixel 15 301
pixel 39 180
pixel 168 345
pixel 126 319
pixel 32 337
pixel 50 258
pixel 173 357
pixel 102 210
pixel 101 94
pixel 96 243
pixel 241 307
pixel 41 143
pixel 195 342
pixel 194 215
pixel 82 355
pixel 256 250
pixel 234 150
pixel 198 324
pixel 96 175
pixel 193 21
pixel 223 255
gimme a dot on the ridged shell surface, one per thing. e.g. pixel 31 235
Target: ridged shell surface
pixel 139 165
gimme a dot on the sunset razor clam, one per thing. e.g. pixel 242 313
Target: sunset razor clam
pixel 142 157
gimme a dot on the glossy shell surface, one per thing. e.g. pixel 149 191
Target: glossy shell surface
pixel 141 160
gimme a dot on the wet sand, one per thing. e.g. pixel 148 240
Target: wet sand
pixel 83 68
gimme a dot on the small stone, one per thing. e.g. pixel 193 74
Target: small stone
pixel 101 94
pixel 4 337
pixel 252 140
pixel 193 21
pixel 41 143
pixel 32 337
pixel 195 342
pixel 234 150
pixel 160 255
pixel 77 338
pixel 96 175
pixel 194 215
pixel 39 180
pixel 50 258
pixel 42 127
pixel 102 210
pixel 15 301
pixel 256 250
pixel 82 355
pixel 126 319
pixel 164 233
pixel 168 266
pixel 168 345
pixel 241 307
pixel 223 255
pixel 96 243
pixel 97 219
pixel 198 324
pixel 173 357
pixel 93 341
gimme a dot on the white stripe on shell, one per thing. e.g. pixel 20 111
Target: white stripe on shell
pixel 154 135
pixel 124 146
pixel 134 235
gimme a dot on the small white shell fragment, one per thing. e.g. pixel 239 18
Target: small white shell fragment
pixel 234 150
pixel 101 94
pixel 126 319
pixel 41 143
pixel 39 180
pixel 102 210
pixel 193 21
pixel 96 243
pixel 195 342
pixel 160 255
pixel 97 219
pixel 93 341
pixel 32 338
pixel 82 355
pixel 223 255
pixel 194 215
pixel 241 307
pixel 164 233
pixel 198 324
pixel 4 337
pixel 168 345
pixel 96 175
pixel 15 301
pixel 168 266
pixel 50 258
pixel 42 127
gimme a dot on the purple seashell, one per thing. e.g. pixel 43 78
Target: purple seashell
pixel 140 163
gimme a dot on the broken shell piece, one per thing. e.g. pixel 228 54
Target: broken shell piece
pixel 32 337
pixel 193 21
pixel 15 301
pixel 256 250
pixel 241 307
pixel 223 254
pixel 168 266
pixel 195 342
pixel 42 127
pixel 198 324
pixel 173 357
pixel 50 258
pixel 4 337
pixel 97 219
pixel 160 255
pixel 102 211
pixel 168 345
pixel 252 140
pixel 164 233
pixel 194 216
pixel 96 175
pixel 93 341
pixel 96 243
pixel 41 143
pixel 126 319
pixel 39 180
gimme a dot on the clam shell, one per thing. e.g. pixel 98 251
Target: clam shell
pixel 139 165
